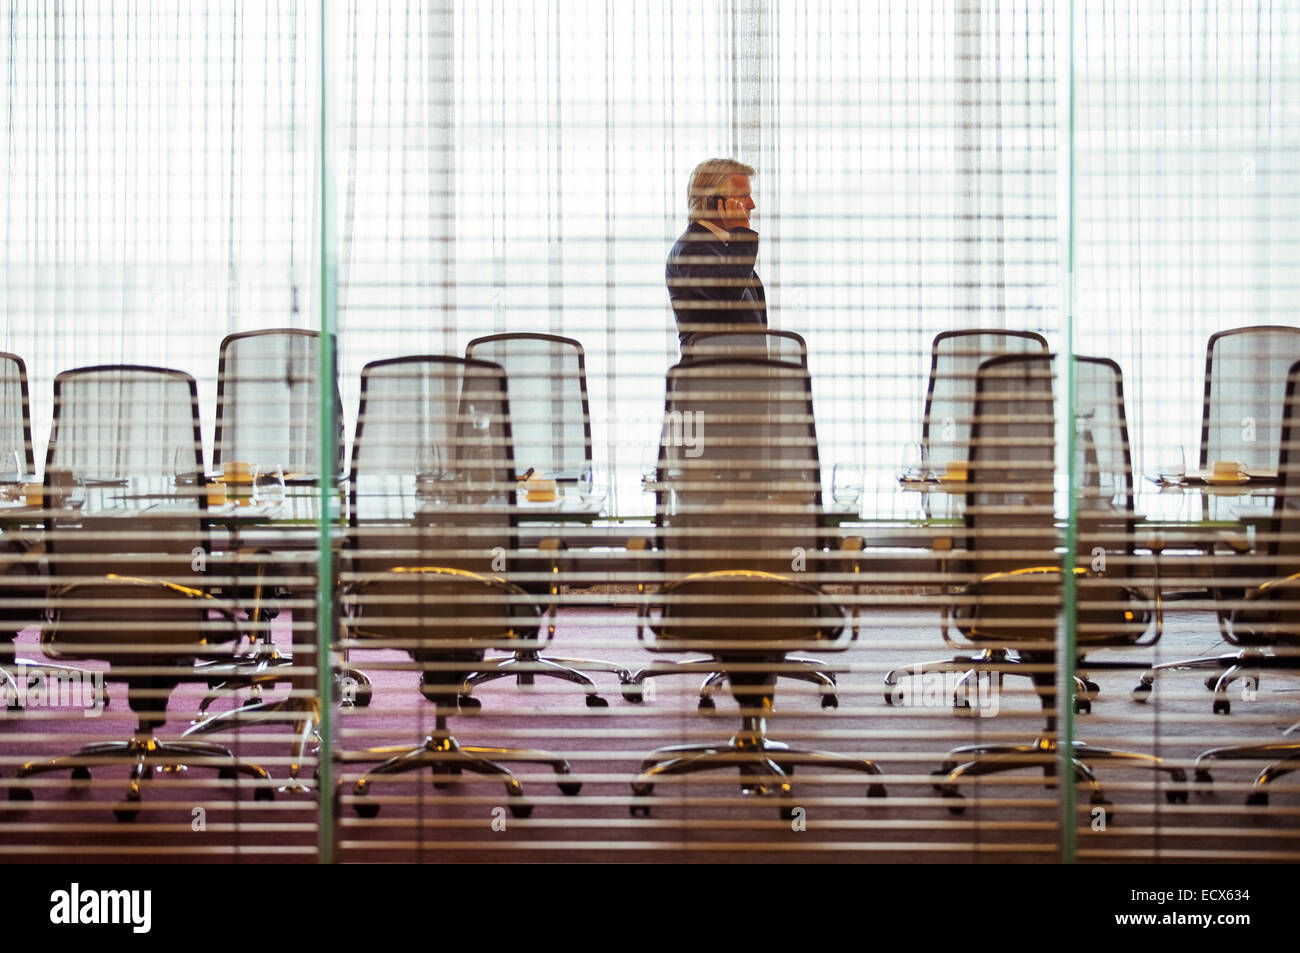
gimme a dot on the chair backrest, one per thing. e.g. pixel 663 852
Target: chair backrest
pixel 125 516
pixel 547 378
pixel 740 493
pixel 1104 493
pixel 1009 516
pixel 763 345
pixel 1272 613
pixel 15 412
pixel 1245 381
pixel 268 402
pixel 955 357
pixel 432 514
pixel 1284 543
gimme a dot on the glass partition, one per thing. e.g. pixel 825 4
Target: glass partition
pixel 961 533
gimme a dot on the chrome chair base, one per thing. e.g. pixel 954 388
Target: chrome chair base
pixel 447 760
pixel 811 670
pixel 145 753
pixel 969 761
pixel 995 661
pixel 765 766
pixel 298 712
pixel 1289 762
pixel 525 666
pixel 1247 663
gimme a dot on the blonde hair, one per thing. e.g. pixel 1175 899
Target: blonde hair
pixel 709 176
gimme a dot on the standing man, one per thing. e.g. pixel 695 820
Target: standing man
pixel 710 271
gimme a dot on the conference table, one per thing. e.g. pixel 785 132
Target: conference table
pixel 916 523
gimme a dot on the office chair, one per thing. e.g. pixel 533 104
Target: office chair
pixel 19 596
pixel 268 413
pixel 763 345
pixel 432 528
pixel 551 423
pixel 124 588
pixel 788 347
pixel 1014 597
pixel 733 524
pixel 1267 612
pixel 1241 421
pixel 955 357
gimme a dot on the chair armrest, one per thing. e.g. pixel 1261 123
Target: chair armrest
pixel 188 592
pixel 973 588
pixel 1269 590
pixel 640 546
pixel 846 621
pixel 361 581
pixel 850 547
pixel 553 546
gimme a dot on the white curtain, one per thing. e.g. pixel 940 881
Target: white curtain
pixel 1186 162
pixel 523 164
pixel 156 183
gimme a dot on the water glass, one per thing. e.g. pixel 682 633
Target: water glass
pixel 268 484
pixel 846 484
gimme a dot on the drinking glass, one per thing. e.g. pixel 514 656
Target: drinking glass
pixel 268 484
pixel 592 487
pixel 912 467
pixel 846 484
pixel 1170 464
pixel 11 466
pixel 11 473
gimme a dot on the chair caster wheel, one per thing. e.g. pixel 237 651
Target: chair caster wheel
pixel 1222 706
pixel 1176 797
pixel 893 696
pixel 939 773
pixel 81 773
pixel 633 692
pixel 639 810
pixel 21 794
pixel 1082 706
pixel 521 811
pixel 787 813
pixel 957 806
pixel 707 703
pixel 468 703
pixel 226 774
pixel 595 701
pixel 876 790
pixel 1257 799
pixel 366 809
pixel 569 788
pixel 264 793
pixel 1203 776
pixel 1141 692
pixel 1211 682
pixel 129 809
pixel 830 701
pixel 1091 687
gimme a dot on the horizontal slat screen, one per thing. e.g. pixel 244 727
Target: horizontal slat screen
pixel 885 489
